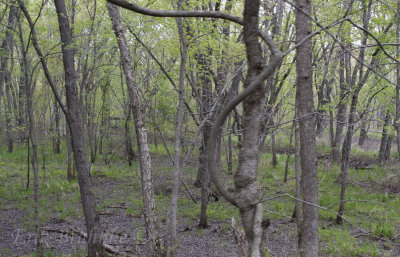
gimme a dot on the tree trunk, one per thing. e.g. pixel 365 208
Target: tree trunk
pixel 230 150
pixel 205 180
pixel 28 92
pixel 130 154
pixel 346 148
pixel 288 154
pixel 384 138
pixel 205 103
pixel 70 162
pixel 170 246
pixel 76 124
pixel 363 130
pixel 6 47
pixel 6 54
pixel 342 107
pixel 245 176
pixel 308 242
pixel 297 208
pixel 141 134
pixel 388 147
pixel 35 167
pixel 397 114
pixel 9 113
pixel 91 129
pixel 57 135
pixel 22 115
pixel 273 149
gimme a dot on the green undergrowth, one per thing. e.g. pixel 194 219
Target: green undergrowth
pixel 338 242
pixel 372 213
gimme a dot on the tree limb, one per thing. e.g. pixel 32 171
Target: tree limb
pixel 175 13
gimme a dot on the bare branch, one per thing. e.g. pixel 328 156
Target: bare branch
pixel 175 13
pixel 42 59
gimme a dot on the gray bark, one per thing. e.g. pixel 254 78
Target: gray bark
pixel 308 241
pixel 254 93
pixel 346 148
pixel 70 175
pixel 397 113
pixel 25 78
pixel 9 112
pixel 342 107
pixel 245 176
pixel 297 208
pixel 6 47
pixel 76 124
pixel 170 246
pixel 57 133
pixel 384 138
pixel 6 54
pixel 388 147
pixel 141 134
pixel 35 167
pixel 363 130
pixel 288 154
pixel 130 154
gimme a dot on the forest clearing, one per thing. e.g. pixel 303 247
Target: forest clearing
pixel 199 128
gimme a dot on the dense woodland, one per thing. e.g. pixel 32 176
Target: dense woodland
pixel 199 128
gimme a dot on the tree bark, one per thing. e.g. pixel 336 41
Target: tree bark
pixel 397 113
pixel 342 107
pixel 9 112
pixel 246 193
pixel 6 46
pixel 384 138
pixel 141 134
pixel 76 125
pixel 308 242
pixel 28 92
pixel 170 246
pixel 346 148
pixel 70 162
pixel 363 130
pixel 57 134
pixel 245 176
pixel 288 154
pixel 297 208
pixel 130 154
pixel 388 147
pixel 6 54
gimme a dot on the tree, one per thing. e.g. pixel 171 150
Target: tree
pixel 75 123
pixel 5 72
pixel 397 112
pixel 308 236
pixel 141 134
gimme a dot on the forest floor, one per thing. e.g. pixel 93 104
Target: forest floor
pixel 372 226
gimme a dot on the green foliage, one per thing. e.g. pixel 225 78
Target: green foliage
pixel 383 230
pixel 340 243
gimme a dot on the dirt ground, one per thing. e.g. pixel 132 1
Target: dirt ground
pixel 125 232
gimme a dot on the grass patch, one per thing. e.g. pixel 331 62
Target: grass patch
pixel 340 243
